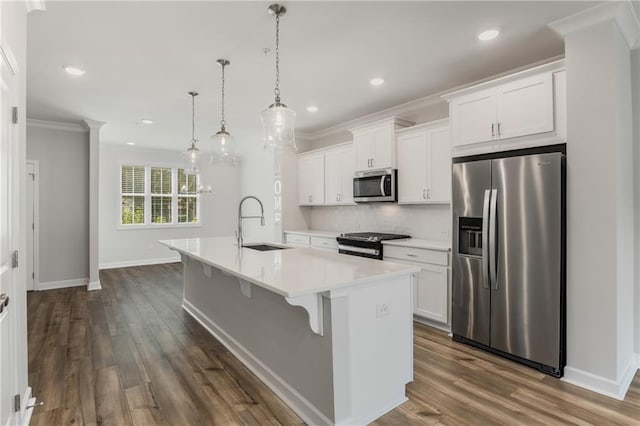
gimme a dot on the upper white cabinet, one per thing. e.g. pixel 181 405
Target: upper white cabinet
pixel 339 166
pixel 424 163
pixel 524 109
pixel 325 177
pixel 311 179
pixel 374 144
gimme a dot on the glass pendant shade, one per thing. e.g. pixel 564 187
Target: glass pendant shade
pixel 279 122
pixel 223 147
pixel 192 160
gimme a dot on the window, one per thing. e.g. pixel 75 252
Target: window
pixel 156 196
pixel 188 198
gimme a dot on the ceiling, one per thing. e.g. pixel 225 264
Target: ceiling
pixel 141 59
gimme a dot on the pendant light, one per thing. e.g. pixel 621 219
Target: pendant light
pixel 223 144
pixel 278 120
pixel 192 157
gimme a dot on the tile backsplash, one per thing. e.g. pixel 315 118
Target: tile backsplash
pixel 430 222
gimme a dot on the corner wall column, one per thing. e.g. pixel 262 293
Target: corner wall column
pixel 600 193
pixel 94 173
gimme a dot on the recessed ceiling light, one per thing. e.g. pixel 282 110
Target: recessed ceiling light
pixel 488 34
pixel 131 143
pixel 73 70
pixel 377 81
pixel 146 121
pixel 312 108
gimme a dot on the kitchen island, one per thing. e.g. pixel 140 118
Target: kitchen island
pixel 330 334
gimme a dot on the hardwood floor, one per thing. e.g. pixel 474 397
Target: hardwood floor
pixel 129 355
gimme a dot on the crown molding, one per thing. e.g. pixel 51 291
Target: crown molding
pixel 622 13
pixel 56 125
pixel 93 124
pixel 394 111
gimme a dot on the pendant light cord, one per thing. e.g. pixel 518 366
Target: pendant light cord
pixel 193 118
pixel 223 121
pixel 276 91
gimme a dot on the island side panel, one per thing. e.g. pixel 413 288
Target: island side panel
pixel 273 332
pixel 378 342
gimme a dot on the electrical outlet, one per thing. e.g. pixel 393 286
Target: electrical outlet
pixel 383 309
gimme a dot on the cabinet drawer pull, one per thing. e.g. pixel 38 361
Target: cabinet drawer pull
pixel 498 129
pixel 493 133
pixel 412 255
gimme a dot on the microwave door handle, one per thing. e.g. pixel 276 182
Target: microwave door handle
pixel 382 186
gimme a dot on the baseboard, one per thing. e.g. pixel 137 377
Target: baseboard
pixel 307 411
pixel 139 262
pixel 94 285
pixel 602 385
pixel 434 324
pixel 52 285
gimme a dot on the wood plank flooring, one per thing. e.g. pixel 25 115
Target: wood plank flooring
pixel 129 355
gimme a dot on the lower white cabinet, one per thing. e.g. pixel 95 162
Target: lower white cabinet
pixel 431 288
pixel 324 240
pixel 296 240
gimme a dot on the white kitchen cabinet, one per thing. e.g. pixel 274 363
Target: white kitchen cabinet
pixel 324 240
pixel 374 144
pixel 311 179
pixel 424 164
pixel 339 166
pixel 431 286
pixel 523 109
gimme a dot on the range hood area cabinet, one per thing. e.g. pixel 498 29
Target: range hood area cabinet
pixel 374 144
pixel 424 163
pixel 325 176
pixel 520 110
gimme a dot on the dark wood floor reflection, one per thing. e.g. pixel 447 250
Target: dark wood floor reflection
pixel 128 354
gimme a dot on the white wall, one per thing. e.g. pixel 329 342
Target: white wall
pixel 63 202
pixel 121 247
pixel 635 75
pixel 599 209
pixel 257 169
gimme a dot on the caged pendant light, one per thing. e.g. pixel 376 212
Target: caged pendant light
pixel 192 158
pixel 278 120
pixel 223 144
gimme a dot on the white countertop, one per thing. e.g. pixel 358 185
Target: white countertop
pixel 417 243
pixel 291 272
pixel 313 232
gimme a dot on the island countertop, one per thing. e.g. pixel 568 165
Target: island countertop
pixel 291 272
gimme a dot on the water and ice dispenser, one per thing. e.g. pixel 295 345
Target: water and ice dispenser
pixel 470 236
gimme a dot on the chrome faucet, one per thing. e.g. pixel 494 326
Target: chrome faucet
pixel 240 217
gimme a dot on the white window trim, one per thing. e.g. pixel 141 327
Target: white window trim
pixel 147 198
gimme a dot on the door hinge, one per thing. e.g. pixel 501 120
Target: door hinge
pixel 16 402
pixel 14 114
pixel 14 259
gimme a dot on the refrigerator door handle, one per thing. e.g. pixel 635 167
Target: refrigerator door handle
pixel 493 251
pixel 485 238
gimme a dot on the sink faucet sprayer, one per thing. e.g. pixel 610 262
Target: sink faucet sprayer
pixel 240 217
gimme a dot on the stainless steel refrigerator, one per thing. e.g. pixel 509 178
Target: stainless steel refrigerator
pixel 508 293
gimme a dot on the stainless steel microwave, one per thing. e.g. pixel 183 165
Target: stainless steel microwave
pixel 375 185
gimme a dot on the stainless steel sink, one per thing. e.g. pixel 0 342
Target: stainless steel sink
pixel 263 247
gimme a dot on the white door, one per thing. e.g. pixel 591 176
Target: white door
pixel 311 179
pixel 430 295
pixel 412 167
pixel 32 214
pixel 383 152
pixel 363 145
pixel 9 320
pixel 333 176
pixel 348 169
pixel 525 107
pixel 439 169
pixel 473 118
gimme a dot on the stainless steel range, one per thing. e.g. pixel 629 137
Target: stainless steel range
pixel 365 244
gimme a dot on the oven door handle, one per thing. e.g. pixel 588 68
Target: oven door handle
pixel 364 250
pixel 384 194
